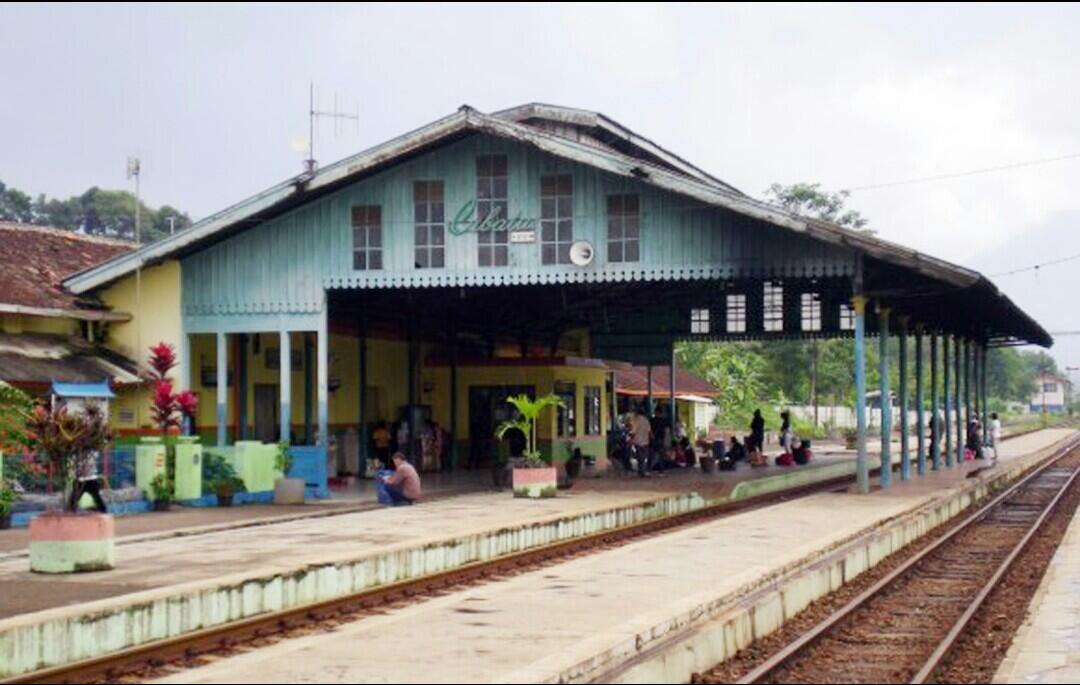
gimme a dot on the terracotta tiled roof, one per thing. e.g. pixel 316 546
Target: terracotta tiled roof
pixel 634 381
pixel 35 259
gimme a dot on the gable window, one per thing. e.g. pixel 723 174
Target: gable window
pixel 430 223
pixel 491 200
pixel 810 310
pixel 556 218
pixel 699 321
pixel 623 222
pixel 847 317
pixel 736 313
pixel 774 307
pixel 367 237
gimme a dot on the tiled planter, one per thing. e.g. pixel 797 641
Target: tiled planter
pixel 71 543
pixel 535 483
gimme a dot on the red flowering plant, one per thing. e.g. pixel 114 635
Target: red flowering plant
pixel 166 407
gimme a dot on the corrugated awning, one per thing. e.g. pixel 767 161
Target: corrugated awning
pixel 100 390
pixel 42 359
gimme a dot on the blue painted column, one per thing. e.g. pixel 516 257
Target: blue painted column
pixel 958 400
pixel 241 387
pixel 886 402
pixel 920 401
pixel 862 469
pixel 309 390
pixel 323 344
pixel 985 395
pixel 222 387
pixel 285 387
pixel 905 454
pixel 935 404
pixel 946 434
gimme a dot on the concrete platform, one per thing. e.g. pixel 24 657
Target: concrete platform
pixel 651 611
pixel 165 587
pixel 1046 649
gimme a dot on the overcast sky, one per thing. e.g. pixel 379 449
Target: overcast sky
pixel 212 97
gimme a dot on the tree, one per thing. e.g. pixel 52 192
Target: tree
pixel 808 199
pixel 101 212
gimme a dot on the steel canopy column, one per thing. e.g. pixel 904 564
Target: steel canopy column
pixel 959 402
pixel 673 411
pixel 985 394
pixel 935 405
pixel 285 386
pixel 324 379
pixel 861 467
pixel 920 400
pixel 905 455
pixel 309 361
pixel 222 387
pixel 947 433
pixel 886 401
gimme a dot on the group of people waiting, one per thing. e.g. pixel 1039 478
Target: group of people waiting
pixel 752 449
pixel 974 445
pixel 652 446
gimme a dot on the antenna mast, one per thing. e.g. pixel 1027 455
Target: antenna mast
pixel 310 165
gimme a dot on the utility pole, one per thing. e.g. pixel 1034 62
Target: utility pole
pixel 134 171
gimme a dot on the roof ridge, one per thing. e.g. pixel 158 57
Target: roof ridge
pixel 66 233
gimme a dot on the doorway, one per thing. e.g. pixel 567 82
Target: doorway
pixel 487 409
pixel 267 407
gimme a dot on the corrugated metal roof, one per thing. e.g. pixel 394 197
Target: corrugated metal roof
pixel 304 188
pixel 634 381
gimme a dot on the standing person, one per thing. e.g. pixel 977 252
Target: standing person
pixel 995 435
pixel 404 484
pixel 757 430
pixel 785 432
pixel 86 480
pixel 640 440
pixel 381 439
pixel 933 424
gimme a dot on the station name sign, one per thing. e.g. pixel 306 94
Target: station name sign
pixel 522 229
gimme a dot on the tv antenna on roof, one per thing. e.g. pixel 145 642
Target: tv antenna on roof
pixel 310 165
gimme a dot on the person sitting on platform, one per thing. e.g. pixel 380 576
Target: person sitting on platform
pixel 736 451
pixel 756 457
pixel 403 485
pixel 802 453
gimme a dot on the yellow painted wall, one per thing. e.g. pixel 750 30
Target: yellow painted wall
pixel 155 318
pixel 20 323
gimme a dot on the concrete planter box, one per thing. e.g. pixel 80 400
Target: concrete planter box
pixel 289 491
pixel 535 483
pixel 71 543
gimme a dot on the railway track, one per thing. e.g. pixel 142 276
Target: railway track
pixel 902 628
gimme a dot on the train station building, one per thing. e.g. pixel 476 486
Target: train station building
pixel 537 249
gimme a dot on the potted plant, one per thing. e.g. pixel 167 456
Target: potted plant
pixel 287 490
pixel 226 484
pixel 537 477
pixel 851 437
pixel 7 503
pixel 162 492
pixel 69 541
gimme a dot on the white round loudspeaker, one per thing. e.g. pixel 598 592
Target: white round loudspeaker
pixel 582 253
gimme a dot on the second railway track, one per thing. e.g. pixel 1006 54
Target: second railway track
pixel 902 628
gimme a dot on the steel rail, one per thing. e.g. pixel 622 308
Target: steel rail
pixel 807 639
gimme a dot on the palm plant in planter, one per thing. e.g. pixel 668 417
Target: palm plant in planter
pixel 538 478
pixel 69 541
